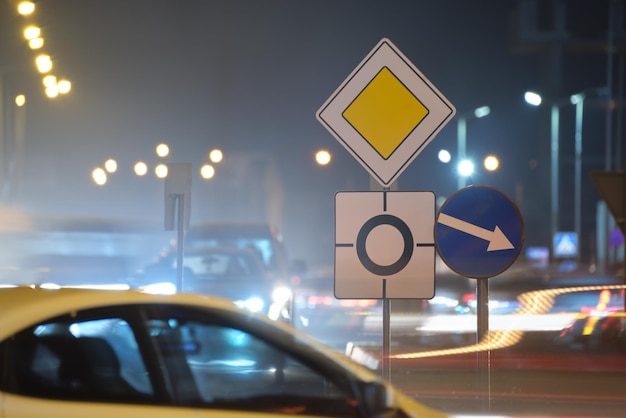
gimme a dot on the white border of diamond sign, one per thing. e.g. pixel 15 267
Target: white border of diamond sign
pixel 440 112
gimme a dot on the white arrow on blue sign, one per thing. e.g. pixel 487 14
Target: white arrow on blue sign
pixel 479 232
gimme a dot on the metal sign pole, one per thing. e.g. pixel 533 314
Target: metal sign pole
pixel 386 363
pixel 177 192
pixel 482 309
pixel 386 366
pixel 483 357
pixel 180 198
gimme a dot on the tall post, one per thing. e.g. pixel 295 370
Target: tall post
pixel 180 241
pixel 554 167
pixel 386 352
pixel 461 134
pixel 578 149
pixel 2 139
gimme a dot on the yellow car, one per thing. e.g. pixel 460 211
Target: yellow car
pixel 103 353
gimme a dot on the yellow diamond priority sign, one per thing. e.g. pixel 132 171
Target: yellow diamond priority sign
pixel 385 112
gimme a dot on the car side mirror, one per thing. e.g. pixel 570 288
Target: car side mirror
pixel 379 401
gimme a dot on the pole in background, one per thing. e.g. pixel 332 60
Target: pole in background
pixel 461 132
pixel 177 207
pixel 578 101
pixel 554 170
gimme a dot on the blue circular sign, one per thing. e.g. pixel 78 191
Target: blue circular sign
pixel 479 232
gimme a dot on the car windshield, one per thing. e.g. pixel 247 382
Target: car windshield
pixel 223 265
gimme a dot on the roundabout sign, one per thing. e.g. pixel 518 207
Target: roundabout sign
pixel 384 245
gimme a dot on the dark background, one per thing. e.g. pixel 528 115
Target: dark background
pixel 248 76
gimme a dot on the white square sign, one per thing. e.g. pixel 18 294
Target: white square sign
pixel 384 245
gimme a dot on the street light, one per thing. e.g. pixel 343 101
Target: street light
pixel 461 128
pixel 535 99
pixel 466 169
pixel 26 8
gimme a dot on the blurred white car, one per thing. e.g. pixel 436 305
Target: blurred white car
pixel 102 353
pixel 228 272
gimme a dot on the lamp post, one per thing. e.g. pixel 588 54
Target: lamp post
pixel 461 129
pixel 577 100
pixel 535 99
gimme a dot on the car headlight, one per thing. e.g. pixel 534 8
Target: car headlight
pixel 253 304
pixel 281 295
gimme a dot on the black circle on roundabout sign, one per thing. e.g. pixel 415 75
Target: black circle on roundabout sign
pixel 407 237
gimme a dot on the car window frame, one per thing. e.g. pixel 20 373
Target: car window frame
pixel 164 394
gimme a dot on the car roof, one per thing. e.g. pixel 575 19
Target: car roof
pixel 22 306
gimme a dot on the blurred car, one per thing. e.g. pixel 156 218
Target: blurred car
pixel 317 308
pixel 232 273
pixel 504 291
pixel 606 330
pixel 453 295
pixel 101 353
pixel 262 237
pixel 602 326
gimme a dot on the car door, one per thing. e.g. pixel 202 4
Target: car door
pixel 241 365
pixel 93 364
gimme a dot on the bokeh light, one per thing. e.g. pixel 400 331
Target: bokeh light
pixel 323 157
pixel 207 171
pixel 99 176
pixel 444 156
pixel 216 156
pixel 141 168
pixel 491 163
pixel 466 168
pixel 160 171
pixel 162 150
pixel 110 165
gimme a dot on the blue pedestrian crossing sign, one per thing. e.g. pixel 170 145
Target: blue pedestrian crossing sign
pixel 565 244
pixel 479 232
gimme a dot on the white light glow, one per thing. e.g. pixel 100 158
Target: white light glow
pixel 444 156
pixel 466 168
pixel 532 98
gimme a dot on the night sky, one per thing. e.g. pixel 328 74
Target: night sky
pixel 248 77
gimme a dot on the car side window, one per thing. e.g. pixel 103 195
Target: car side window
pixel 233 369
pixel 91 360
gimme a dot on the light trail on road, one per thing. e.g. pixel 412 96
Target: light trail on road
pixel 537 302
